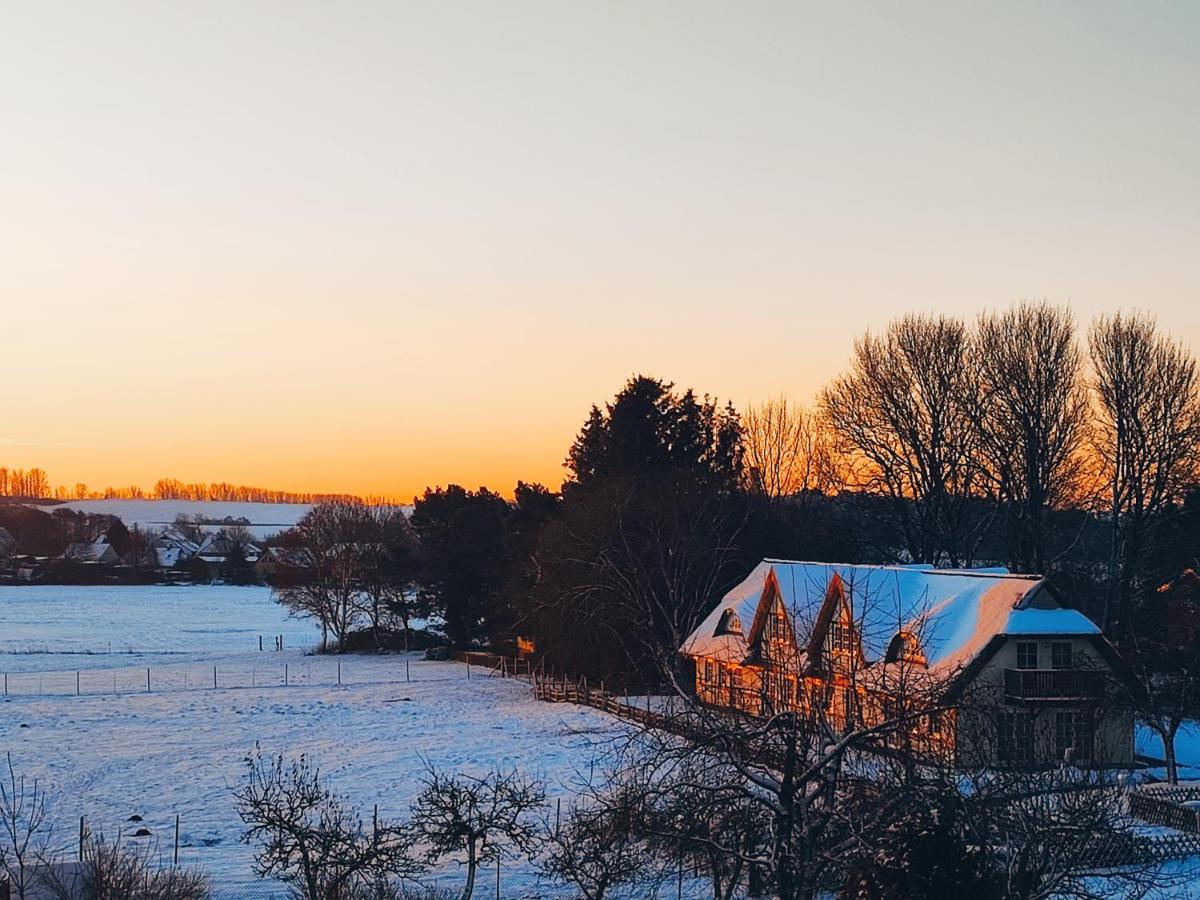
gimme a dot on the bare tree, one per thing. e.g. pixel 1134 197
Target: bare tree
pixel 385 569
pixel 602 845
pixel 477 816
pixel 787 450
pixel 24 832
pixel 628 573
pixel 1031 413
pixel 311 838
pixel 1146 437
pixel 902 413
pixel 322 577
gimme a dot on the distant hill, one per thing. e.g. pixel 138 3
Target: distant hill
pixel 264 518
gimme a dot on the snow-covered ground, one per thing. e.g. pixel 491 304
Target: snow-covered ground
pixel 1187 748
pixel 62 627
pixel 264 518
pixel 179 749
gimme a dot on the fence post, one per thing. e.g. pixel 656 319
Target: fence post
pixel 81 833
pixel 497 876
pixel 176 838
pixel 285 674
pixel 406 677
pixel 76 682
pixel 260 643
pixel 147 681
pixel 214 678
pixel 339 671
pixel 557 815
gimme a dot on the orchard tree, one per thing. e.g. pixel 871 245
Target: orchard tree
pixel 477 817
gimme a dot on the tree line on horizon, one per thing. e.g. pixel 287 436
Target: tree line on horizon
pixel 34 484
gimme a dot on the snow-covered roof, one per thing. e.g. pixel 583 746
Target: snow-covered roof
pixel 91 551
pixel 953 613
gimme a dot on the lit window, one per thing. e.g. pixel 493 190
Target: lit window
pixel 839 640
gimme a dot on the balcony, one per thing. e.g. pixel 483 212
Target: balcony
pixel 1052 685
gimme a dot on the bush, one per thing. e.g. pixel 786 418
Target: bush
pixel 114 871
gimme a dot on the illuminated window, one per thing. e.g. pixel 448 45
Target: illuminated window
pixel 840 636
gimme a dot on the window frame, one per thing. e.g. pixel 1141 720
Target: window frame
pixel 1023 648
pixel 1017 743
pixel 1056 647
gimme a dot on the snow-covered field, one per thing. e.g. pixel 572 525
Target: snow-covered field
pixel 264 518
pixel 62 627
pixel 178 750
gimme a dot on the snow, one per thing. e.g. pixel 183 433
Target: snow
pixel 264 518
pixel 1049 621
pixel 1146 742
pixel 48 627
pixel 955 612
pixel 179 749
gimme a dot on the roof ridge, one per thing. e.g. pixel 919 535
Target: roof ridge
pixel 899 567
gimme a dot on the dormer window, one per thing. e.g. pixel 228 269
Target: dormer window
pixel 904 647
pixel 729 624
pixel 841 637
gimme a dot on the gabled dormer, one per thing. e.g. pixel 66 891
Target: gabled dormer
pixel 773 636
pixel 835 644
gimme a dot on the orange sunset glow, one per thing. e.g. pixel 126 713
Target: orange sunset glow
pixel 371 250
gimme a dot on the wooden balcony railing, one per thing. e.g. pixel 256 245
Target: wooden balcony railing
pixel 1047 685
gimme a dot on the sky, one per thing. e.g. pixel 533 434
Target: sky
pixel 371 247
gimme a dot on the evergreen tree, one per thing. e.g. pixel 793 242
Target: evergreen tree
pixel 463 557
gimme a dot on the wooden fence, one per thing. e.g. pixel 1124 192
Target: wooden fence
pixel 1165 805
pixel 504 666
pixel 564 690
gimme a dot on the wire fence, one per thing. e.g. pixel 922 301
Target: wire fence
pixel 281 671
pixel 507 880
pixel 503 885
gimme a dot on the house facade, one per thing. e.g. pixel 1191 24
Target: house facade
pixel 1007 676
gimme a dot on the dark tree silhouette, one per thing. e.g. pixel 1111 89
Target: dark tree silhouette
pixel 463 559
